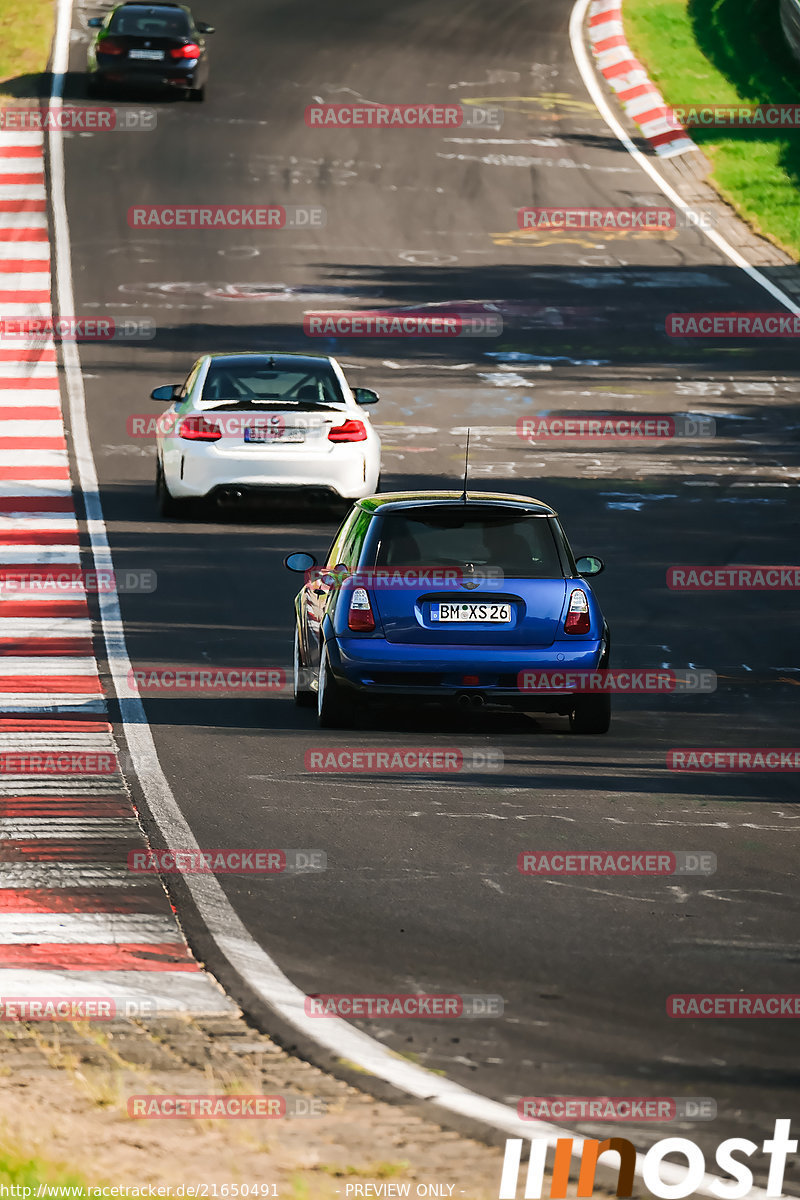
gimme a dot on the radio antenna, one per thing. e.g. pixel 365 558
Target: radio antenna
pixel 466 469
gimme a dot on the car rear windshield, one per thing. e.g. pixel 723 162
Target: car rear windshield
pixel 150 22
pixel 455 536
pixel 240 382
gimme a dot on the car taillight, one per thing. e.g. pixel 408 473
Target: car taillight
pixel 198 429
pixel 578 619
pixel 360 617
pixel 351 431
pixel 109 46
pixel 190 50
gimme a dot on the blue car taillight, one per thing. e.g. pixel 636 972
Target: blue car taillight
pixel 360 618
pixel 578 617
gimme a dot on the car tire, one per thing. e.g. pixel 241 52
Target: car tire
pixel 335 709
pixel 302 697
pixel 591 714
pixel 94 89
pixel 168 506
pixel 198 95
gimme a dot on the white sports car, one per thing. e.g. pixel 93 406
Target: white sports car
pixel 244 424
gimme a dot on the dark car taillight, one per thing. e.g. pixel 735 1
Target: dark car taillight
pixel 190 50
pixel 360 616
pixel 198 429
pixel 109 46
pixel 578 617
pixel 351 431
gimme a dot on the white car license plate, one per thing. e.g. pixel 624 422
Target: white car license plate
pixel 472 612
pixel 154 55
pixel 273 433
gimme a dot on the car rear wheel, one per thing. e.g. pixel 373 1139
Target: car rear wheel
pixel 591 714
pixel 168 506
pixel 302 697
pixel 335 709
pixel 197 94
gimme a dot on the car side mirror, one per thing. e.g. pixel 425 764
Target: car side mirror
pixel 94 22
pixel 365 396
pixel 589 565
pixel 203 28
pixel 166 393
pixel 300 561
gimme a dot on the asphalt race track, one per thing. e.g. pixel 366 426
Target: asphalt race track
pixel 422 891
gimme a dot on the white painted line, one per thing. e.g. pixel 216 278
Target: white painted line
pixel 45 666
pixel 45 522
pixel 46 627
pixel 247 958
pixel 23 220
pixel 20 166
pixel 26 309
pixel 97 929
pixel 20 137
pixel 29 874
pixel 22 191
pixel 75 741
pixel 192 992
pixel 30 251
pixel 584 64
pixel 23 829
pixel 38 702
pixel 25 368
pixel 42 554
pixel 34 429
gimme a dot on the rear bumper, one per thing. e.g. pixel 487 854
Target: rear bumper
pixel 201 473
pixel 374 667
pixel 146 77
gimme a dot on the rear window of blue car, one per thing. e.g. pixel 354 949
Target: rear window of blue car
pixel 150 22
pixel 453 536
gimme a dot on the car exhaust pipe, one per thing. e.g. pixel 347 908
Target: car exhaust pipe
pixel 227 497
pixel 470 700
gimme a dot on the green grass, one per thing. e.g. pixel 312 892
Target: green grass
pixel 30 1172
pixel 722 52
pixel 26 31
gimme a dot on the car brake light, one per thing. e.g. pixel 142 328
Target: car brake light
pixel 198 429
pixel 578 618
pixel 109 46
pixel 190 50
pixel 351 431
pixel 360 617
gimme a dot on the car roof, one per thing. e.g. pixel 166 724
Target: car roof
pixel 392 502
pixel 280 358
